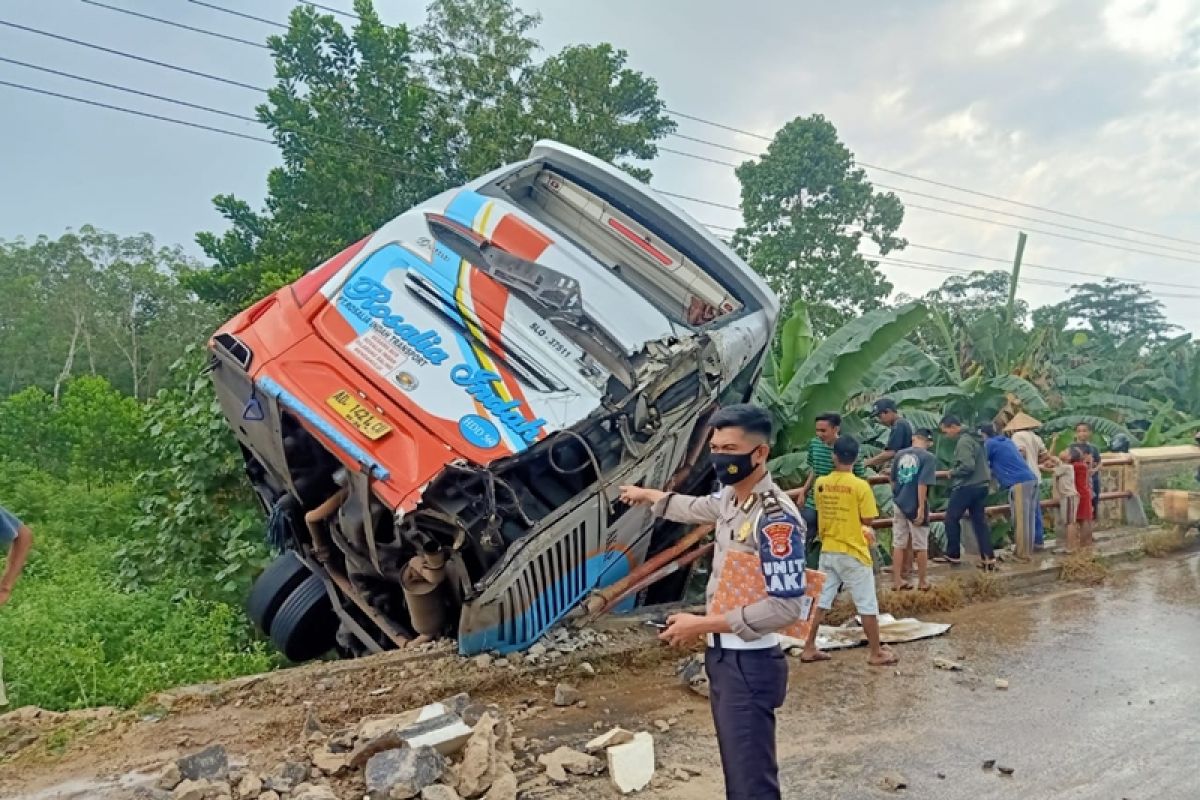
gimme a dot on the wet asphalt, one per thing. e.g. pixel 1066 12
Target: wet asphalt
pixel 1103 701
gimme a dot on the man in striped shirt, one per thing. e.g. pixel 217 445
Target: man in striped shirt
pixel 820 464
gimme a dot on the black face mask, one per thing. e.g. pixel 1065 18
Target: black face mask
pixel 733 467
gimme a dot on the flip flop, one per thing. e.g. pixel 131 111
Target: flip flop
pixel 924 588
pixel 954 562
pixel 816 658
pixel 989 567
pixel 891 661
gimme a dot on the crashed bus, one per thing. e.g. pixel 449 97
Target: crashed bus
pixel 436 419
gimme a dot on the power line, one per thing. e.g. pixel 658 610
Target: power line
pixel 911 176
pixel 734 129
pixel 332 10
pixel 1035 219
pixel 130 90
pixel 915 193
pixel 242 14
pixel 738 150
pixel 967 271
pixel 175 24
pixel 134 56
pixel 146 114
pixel 332 140
pixel 1051 233
pixel 888 260
pixel 1008 261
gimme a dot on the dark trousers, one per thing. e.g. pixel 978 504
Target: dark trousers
pixel 745 687
pixel 812 545
pixel 968 500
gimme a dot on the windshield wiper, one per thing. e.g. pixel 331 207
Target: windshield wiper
pixel 547 287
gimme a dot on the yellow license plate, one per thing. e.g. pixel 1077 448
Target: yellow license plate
pixel 358 416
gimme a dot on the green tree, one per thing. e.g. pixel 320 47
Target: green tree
pixel 371 121
pixel 1125 311
pixel 94 303
pixel 807 208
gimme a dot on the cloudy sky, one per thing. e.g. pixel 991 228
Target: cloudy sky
pixel 1088 107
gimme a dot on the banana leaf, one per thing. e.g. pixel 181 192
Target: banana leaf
pixel 834 370
pixel 1024 391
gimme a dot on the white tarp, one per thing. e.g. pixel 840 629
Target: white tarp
pixel 891 631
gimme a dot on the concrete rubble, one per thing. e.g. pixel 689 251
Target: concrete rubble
pixel 566 695
pixel 426 753
pixel 631 765
pixel 693 675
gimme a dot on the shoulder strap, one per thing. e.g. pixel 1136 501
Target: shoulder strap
pixel 780 538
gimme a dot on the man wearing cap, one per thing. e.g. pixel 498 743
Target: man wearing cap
pixel 899 439
pixel 1022 429
pixel 914 470
pixel 747 671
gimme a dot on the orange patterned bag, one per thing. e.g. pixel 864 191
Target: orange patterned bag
pixel 742 584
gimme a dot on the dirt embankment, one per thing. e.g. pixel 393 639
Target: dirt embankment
pixel 265 721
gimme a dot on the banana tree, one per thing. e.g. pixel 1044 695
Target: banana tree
pixel 804 378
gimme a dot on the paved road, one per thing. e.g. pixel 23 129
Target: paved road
pixel 1103 701
pixel 1102 704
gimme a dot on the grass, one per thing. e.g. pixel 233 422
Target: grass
pixel 1162 542
pixel 72 636
pixel 1083 567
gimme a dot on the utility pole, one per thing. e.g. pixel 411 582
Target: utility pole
pixel 1016 276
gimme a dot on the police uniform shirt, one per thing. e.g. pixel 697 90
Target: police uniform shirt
pixel 734 523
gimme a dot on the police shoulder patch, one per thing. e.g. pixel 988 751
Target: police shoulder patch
pixel 780 549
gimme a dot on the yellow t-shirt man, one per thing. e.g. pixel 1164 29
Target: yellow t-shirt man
pixel 843 501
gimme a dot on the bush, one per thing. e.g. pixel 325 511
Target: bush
pixel 72 636
pixel 198 524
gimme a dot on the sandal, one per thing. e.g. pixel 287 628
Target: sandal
pixel 904 587
pixel 924 588
pixel 954 562
pixel 989 566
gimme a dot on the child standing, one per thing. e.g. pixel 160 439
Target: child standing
pixel 845 508
pixel 1081 464
pixel 1068 503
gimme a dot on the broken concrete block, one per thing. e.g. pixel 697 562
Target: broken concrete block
pixel 631 765
pixel 504 787
pixel 480 762
pixel 211 763
pixel 947 664
pixel 191 790
pixel 693 675
pixel 309 792
pixel 564 761
pixel 250 786
pixel 566 695
pixel 1001 683
pixel 430 726
pixel 439 791
pixel 169 778
pixel 893 782
pixel 604 741
pixel 286 776
pixel 401 774
pixel 329 762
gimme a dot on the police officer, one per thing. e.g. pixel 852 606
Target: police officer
pixel 747 671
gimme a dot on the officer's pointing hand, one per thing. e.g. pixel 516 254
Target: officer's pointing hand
pixel 638 495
